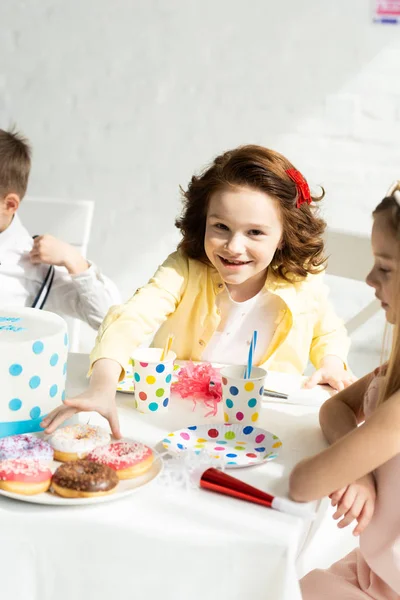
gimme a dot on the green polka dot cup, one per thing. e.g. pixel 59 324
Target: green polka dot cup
pixel 242 397
pixel 152 379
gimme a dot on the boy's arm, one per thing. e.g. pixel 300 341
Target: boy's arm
pixel 83 292
pixel 87 295
pixel 49 250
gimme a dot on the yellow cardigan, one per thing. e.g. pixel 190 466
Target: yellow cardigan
pixel 180 299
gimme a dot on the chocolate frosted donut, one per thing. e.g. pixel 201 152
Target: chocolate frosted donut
pixel 84 479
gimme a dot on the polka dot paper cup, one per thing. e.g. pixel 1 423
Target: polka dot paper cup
pixel 152 379
pixel 242 397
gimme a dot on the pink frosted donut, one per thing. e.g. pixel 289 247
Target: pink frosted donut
pixel 24 476
pixel 25 446
pixel 128 459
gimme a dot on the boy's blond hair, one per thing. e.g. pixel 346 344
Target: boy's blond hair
pixel 15 163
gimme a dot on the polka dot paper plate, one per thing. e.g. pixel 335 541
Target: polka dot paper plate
pixel 231 445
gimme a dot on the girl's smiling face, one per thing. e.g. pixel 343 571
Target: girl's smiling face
pixel 384 273
pixel 243 231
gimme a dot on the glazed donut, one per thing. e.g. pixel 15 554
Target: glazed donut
pixel 128 459
pixel 25 477
pixel 26 446
pixel 84 479
pixel 75 441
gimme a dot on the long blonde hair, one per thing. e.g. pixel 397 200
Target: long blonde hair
pixel 391 206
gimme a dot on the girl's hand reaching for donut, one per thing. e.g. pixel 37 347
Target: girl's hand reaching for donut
pixel 102 403
pixel 100 397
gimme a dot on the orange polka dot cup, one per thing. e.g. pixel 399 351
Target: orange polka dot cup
pixel 242 397
pixel 152 379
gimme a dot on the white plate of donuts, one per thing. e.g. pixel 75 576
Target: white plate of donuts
pixel 78 464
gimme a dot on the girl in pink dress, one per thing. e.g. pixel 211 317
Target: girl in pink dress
pixel 360 471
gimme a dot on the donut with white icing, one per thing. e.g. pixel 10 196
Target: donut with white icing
pixel 25 477
pixel 128 459
pixel 26 446
pixel 76 441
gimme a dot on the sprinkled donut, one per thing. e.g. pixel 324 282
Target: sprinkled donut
pixel 84 479
pixel 25 477
pixel 26 446
pixel 75 441
pixel 128 459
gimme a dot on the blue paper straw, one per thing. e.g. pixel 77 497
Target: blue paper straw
pixel 252 349
pixel 249 361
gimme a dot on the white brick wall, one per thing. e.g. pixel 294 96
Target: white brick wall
pixel 123 100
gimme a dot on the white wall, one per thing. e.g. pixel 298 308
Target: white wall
pixel 123 100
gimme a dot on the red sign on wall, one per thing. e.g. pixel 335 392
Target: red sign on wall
pixel 387 11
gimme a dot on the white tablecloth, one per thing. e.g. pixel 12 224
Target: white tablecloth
pixel 163 542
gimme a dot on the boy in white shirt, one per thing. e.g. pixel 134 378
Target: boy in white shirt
pixel 73 286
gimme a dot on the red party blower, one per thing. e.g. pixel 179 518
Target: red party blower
pixel 218 481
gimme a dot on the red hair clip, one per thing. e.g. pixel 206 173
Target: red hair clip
pixel 303 191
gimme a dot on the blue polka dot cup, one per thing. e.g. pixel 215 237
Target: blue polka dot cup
pixel 242 397
pixel 152 379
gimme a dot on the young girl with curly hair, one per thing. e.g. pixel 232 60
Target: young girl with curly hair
pixel 251 257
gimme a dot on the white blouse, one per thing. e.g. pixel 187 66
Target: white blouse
pixel 230 343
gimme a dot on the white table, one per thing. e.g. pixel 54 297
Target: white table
pixel 163 542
